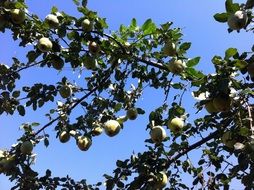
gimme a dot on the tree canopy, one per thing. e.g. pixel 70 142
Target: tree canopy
pixel 112 71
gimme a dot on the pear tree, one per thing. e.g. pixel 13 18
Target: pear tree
pixel 115 67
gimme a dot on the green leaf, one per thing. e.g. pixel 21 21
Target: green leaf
pixel 148 27
pixel 241 64
pixel 230 52
pixel 21 110
pixel 35 124
pixel 193 62
pixel 76 2
pixel 185 46
pixel 193 73
pixel 16 94
pixel 118 107
pixel 54 9
pixel 133 24
pixel 32 55
pixel 221 17
pixel 231 7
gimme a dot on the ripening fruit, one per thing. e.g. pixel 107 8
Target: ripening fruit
pixel 158 134
pixel 222 104
pixel 112 128
pixel 44 44
pixel 52 21
pixel 210 107
pixel 6 164
pixel 64 137
pixel 65 91
pixel 26 147
pixel 250 69
pixel 132 113
pixel 97 130
pixel 84 143
pixel 238 20
pixel 161 180
pixel 58 63
pixel 87 25
pixel 176 66
pixel 90 63
pixel 228 140
pixel 176 125
pixel 169 49
pixel 93 47
pixel 18 16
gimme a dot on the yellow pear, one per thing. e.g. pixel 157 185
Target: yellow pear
pixel 84 143
pixel 87 25
pixel 18 16
pixel 44 44
pixel 52 21
pixel 158 134
pixel 161 180
pixel 176 66
pixel 176 125
pixel 112 127
pixel 132 113
pixel 64 137
pixel 26 147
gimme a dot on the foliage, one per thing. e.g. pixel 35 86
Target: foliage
pixel 109 61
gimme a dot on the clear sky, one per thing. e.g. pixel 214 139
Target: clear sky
pixel 208 38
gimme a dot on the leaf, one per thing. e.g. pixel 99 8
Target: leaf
pixel 231 7
pixel 230 52
pixel 133 24
pixel 21 110
pixel 16 94
pixel 221 17
pixel 193 62
pixel 46 141
pixel 194 73
pixel 148 27
pixel 32 55
pixel 185 46
pixel 35 124
pixel 54 9
pixel 241 64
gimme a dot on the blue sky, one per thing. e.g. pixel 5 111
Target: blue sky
pixel 208 38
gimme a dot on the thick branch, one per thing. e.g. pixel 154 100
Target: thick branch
pixel 199 143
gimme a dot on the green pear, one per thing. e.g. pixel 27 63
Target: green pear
pixel 18 16
pixel 26 147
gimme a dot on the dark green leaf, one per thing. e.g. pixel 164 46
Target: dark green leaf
pixel 185 46
pixel 221 17
pixel 21 110
pixel 231 7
